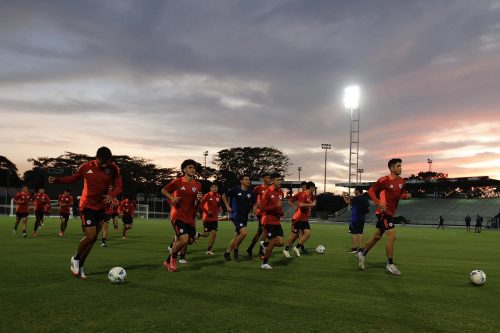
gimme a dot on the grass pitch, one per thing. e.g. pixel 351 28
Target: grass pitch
pixel 314 293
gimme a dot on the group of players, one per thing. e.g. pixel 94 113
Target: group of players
pixel 41 206
pixel 103 184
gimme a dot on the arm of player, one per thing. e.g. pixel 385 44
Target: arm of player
pixel 226 203
pixel 346 197
pixel 372 192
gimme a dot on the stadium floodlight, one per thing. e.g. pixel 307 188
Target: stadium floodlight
pixel 325 146
pixel 351 97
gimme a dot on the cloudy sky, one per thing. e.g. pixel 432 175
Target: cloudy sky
pixel 167 80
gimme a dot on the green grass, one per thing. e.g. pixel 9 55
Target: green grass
pixel 314 293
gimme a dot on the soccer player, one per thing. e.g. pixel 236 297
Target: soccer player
pixel 39 199
pixel 184 195
pixel 258 191
pixel 98 175
pixel 65 202
pixel 359 208
pixel 441 223
pixel 479 223
pixel 467 222
pixel 272 212
pixel 210 204
pixel 22 200
pixel 302 202
pixel 110 212
pixel 127 209
pixel 386 193
pixel 239 202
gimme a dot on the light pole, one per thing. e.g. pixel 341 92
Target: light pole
pixel 205 166
pixel 430 164
pixel 300 169
pixel 360 171
pixel 351 103
pixel 325 146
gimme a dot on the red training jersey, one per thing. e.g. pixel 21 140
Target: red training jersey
pixel 40 200
pixel 65 203
pixel 112 208
pixel 210 204
pixel 302 213
pixel 389 190
pixel 96 183
pixel 271 211
pixel 185 210
pixel 127 207
pixel 258 192
pixel 22 200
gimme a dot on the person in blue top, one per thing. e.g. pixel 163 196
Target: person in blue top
pixel 239 202
pixel 360 206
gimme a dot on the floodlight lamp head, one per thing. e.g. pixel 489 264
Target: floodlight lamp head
pixel 351 97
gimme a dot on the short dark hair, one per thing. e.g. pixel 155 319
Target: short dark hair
pixel 66 190
pixel 303 183
pixel 357 188
pixel 240 178
pixel 394 161
pixel 265 174
pixel 310 185
pixel 186 163
pixel 275 175
pixel 104 154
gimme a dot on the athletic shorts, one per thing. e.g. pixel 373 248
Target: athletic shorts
pixel 92 217
pixel 300 225
pixel 273 231
pixel 127 219
pixel 238 224
pixel 384 222
pixel 114 215
pixel 259 228
pixel 64 216
pixel 21 215
pixel 356 228
pixel 211 225
pixel 182 228
pixel 39 214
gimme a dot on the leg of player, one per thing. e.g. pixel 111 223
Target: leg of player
pixel 83 251
pixel 361 255
pixel 293 236
pixel 61 227
pixel 239 239
pixel 278 241
pixel 306 233
pixel 389 249
pixel 256 238
pixel 171 262
pixel 24 221
pixel 105 231
pixel 211 241
pixel 38 220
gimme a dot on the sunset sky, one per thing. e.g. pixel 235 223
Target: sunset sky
pixel 167 80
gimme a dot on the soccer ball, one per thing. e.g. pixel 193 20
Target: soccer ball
pixel 320 249
pixel 477 277
pixel 117 275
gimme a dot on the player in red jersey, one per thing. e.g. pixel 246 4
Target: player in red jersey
pixel 40 199
pixel 127 209
pixel 98 175
pixel 22 200
pixel 65 202
pixel 210 204
pixel 272 212
pixel 110 212
pixel 258 191
pixel 184 195
pixel 386 193
pixel 302 202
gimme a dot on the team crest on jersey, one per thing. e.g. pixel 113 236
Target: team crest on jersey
pixel 249 195
pixel 400 186
pixel 89 222
pixel 239 194
pixel 217 199
pixel 391 186
pixel 107 171
pixel 193 189
pixel 183 188
pixel 281 197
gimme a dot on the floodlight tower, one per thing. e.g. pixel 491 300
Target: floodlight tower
pixel 325 146
pixel 351 103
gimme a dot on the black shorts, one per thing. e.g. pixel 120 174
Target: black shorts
pixel 64 216
pixel 356 227
pixel 273 231
pixel 209 226
pixel 182 228
pixel 92 217
pixel 238 224
pixel 127 219
pixel 384 222
pixel 39 214
pixel 300 225
pixel 114 215
pixel 259 228
pixel 21 215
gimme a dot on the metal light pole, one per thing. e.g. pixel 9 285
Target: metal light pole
pixel 205 166
pixel 360 171
pixel 430 164
pixel 351 103
pixel 300 169
pixel 325 146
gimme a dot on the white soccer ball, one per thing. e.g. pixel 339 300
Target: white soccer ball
pixel 320 249
pixel 477 277
pixel 117 275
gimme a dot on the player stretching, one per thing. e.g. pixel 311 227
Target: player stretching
pixel 127 209
pixel 65 202
pixel 98 175
pixel 40 199
pixel 22 200
pixel 386 193
pixel 302 203
pixel 272 212
pixel 239 202
pixel 184 195
pixel 258 191
pixel 210 204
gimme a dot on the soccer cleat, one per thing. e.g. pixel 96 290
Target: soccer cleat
pixel 197 236
pixel 61 233
pixel 82 274
pixel 34 234
pixel 297 251
pixel 25 235
pixel 361 261
pixel 210 253
pixel 227 256
pixel 391 268
pixel 169 250
pixel 249 252
pixel 183 261
pixel 266 266
pixel 104 245
pixel 124 238
pixel 352 251
pixel 286 253
pixel 167 266
pixel 75 267
pixel 173 264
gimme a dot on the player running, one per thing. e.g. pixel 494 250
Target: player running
pixel 386 193
pixel 258 191
pixel 210 204
pixel 127 209
pixel 239 202
pixel 184 195
pixel 40 200
pixel 22 200
pixel 65 202
pixel 302 202
pixel 98 175
pixel 272 212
